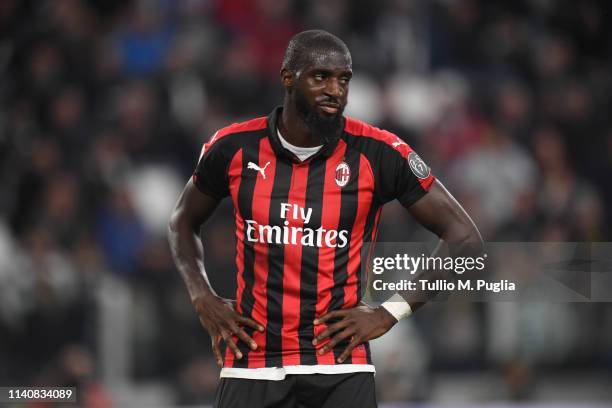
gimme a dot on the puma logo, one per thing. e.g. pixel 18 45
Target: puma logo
pixel 262 170
pixel 395 144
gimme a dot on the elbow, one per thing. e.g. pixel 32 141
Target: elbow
pixel 471 240
pixel 472 236
pixel 181 222
pixel 465 236
pixel 474 242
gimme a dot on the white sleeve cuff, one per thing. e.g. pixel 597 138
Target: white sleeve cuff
pixel 398 307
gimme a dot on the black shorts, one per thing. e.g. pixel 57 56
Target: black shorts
pixel 353 390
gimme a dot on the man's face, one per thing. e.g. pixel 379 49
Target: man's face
pixel 321 91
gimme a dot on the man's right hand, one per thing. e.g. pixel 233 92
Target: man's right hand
pixel 220 319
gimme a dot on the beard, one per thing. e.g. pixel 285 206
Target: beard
pixel 325 128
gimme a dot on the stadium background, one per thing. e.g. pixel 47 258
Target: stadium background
pixel 104 106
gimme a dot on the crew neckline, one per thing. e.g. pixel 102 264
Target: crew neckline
pixel 302 153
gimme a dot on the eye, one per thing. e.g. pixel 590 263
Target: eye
pixel 345 79
pixel 319 77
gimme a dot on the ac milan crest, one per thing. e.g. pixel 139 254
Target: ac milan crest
pixel 343 174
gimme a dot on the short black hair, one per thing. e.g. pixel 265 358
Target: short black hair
pixel 308 45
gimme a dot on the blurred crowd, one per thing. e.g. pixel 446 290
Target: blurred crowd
pixel 104 107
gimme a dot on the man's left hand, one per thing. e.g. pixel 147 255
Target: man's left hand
pixel 360 324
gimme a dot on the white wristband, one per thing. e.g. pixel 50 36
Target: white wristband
pixel 398 307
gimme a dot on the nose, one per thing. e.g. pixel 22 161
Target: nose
pixel 333 88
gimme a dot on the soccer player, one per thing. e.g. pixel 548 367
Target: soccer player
pixel 307 185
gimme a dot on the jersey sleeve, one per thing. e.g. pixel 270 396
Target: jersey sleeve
pixel 210 175
pixel 403 175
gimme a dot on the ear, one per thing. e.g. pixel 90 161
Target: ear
pixel 287 78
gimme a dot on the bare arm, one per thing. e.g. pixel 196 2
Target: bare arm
pixel 439 212
pixel 217 315
pixel 191 211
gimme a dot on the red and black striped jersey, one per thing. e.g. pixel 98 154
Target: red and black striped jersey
pixel 300 227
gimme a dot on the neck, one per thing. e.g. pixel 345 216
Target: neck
pixel 293 128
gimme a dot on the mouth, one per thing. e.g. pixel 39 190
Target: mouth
pixel 330 108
